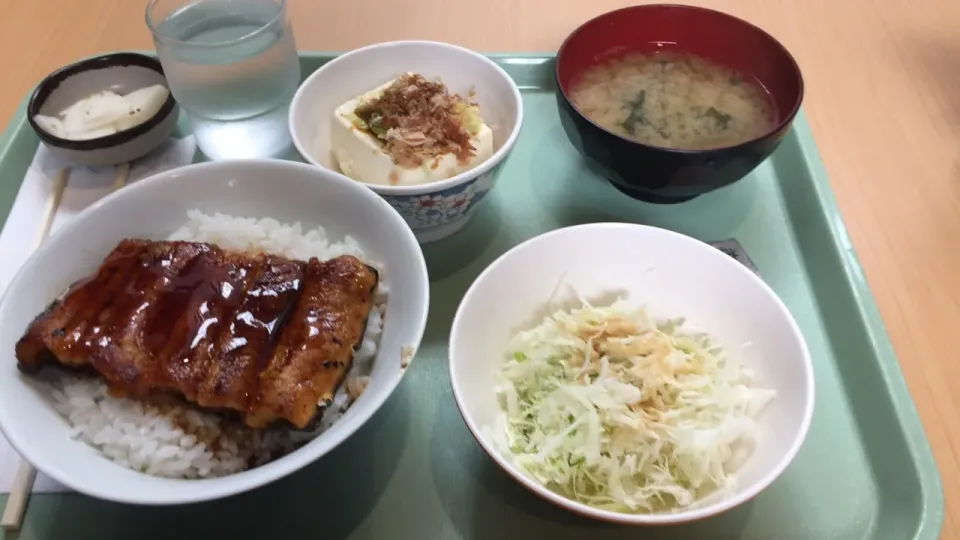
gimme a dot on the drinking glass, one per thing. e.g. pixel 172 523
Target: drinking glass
pixel 232 66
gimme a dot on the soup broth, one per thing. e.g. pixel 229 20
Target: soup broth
pixel 674 100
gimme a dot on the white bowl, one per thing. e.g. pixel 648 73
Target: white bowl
pixel 673 275
pixel 154 208
pixel 435 210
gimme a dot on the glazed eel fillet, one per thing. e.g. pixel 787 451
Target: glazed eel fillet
pixel 267 337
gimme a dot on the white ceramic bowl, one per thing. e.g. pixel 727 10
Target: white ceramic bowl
pixel 436 210
pixel 673 275
pixel 154 208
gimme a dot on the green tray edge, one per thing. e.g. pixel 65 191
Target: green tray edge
pixel 14 139
pixel 931 486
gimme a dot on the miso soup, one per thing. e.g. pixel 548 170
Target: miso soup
pixel 674 100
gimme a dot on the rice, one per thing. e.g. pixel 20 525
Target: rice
pixel 179 441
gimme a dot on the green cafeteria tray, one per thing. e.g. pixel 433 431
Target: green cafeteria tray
pixel 414 471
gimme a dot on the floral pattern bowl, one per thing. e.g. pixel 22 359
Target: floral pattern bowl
pixel 439 209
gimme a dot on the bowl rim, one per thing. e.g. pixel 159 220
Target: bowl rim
pixel 199 490
pixel 786 121
pixel 681 516
pixel 49 84
pixel 486 166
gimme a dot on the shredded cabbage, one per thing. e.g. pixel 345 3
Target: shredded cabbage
pixel 609 407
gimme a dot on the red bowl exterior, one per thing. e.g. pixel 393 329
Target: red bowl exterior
pixel 666 175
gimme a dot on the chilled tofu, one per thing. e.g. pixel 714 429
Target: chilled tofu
pixel 362 156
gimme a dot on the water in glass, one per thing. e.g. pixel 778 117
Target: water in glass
pixel 232 66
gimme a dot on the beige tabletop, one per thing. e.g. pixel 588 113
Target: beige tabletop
pixel 883 96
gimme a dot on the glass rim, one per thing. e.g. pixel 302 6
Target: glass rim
pixel 281 7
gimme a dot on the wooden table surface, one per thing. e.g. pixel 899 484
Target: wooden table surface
pixel 883 96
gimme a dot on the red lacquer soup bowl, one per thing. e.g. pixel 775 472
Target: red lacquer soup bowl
pixel 659 174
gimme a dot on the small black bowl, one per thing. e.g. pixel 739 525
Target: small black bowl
pixel 121 72
pixel 663 175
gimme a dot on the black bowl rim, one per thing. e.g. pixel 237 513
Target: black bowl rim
pixel 50 83
pixel 787 119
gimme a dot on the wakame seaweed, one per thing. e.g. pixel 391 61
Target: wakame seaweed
pixel 636 114
pixel 722 118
